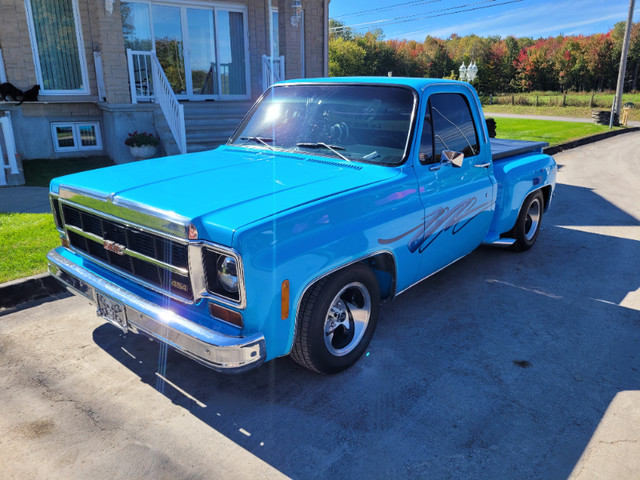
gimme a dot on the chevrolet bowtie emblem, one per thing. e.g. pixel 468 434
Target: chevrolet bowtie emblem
pixel 114 247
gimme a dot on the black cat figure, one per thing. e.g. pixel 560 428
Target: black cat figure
pixel 30 95
pixel 8 90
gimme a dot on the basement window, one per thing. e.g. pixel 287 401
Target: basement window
pixel 75 136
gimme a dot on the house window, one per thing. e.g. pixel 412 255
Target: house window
pixel 74 136
pixel 56 41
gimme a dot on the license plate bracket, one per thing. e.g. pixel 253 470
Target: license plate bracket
pixel 112 311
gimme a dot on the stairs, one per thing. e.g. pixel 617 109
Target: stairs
pixel 208 124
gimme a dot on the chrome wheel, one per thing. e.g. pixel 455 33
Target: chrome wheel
pixel 347 319
pixel 336 320
pixel 528 223
pixel 534 215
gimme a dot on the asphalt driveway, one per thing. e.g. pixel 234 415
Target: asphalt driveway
pixel 504 365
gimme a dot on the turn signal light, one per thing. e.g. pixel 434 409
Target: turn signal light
pixel 193 232
pixel 284 300
pixel 226 315
pixel 65 242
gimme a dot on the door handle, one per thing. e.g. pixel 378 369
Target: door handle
pixel 483 165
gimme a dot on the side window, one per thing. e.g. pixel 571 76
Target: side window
pixel 453 126
pixel 426 140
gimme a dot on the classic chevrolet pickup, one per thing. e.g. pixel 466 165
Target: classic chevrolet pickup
pixel 333 196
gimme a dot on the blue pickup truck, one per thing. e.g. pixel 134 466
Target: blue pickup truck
pixel 333 196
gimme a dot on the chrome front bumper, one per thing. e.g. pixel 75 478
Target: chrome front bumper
pixel 215 350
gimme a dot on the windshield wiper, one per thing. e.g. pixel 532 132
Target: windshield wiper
pixel 333 148
pixel 262 140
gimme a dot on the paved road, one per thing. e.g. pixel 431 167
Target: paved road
pixel 630 123
pixel 502 366
pixel 24 200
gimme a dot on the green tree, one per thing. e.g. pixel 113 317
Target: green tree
pixel 338 29
pixel 345 58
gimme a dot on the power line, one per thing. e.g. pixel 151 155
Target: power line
pixel 388 7
pixel 402 17
pixel 410 18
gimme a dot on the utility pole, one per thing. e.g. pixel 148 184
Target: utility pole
pixel 615 108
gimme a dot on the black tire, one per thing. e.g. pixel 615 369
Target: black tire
pixel 328 339
pixel 529 220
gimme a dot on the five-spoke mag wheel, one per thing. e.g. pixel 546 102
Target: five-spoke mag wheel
pixel 336 321
pixel 528 223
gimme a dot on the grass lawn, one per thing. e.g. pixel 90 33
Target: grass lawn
pixel 545 131
pixel 38 173
pixel 552 111
pixel 25 239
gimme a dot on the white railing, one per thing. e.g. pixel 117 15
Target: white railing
pixel 148 82
pixel 173 111
pixel 272 70
pixel 140 77
pixel 6 133
pixel 6 138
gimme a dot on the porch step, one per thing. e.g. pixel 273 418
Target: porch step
pixel 207 124
pixel 210 124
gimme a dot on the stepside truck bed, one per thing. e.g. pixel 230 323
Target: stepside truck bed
pixel 501 148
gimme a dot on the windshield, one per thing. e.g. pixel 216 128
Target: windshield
pixel 354 122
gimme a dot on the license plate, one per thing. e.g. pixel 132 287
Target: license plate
pixel 112 311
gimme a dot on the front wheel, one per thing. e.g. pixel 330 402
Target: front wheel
pixel 528 224
pixel 337 318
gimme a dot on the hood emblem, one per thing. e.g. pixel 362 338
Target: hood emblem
pixel 114 247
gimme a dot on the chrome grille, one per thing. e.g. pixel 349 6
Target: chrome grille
pixel 156 260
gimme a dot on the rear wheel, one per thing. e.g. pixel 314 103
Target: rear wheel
pixel 528 224
pixel 337 318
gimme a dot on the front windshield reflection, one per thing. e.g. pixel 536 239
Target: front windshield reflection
pixel 355 122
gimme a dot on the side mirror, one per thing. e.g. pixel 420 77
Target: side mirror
pixel 455 158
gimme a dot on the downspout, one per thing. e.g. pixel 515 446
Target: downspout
pixel 325 47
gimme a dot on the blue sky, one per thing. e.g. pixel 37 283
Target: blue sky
pixel 416 19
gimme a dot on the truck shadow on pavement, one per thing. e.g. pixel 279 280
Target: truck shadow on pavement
pixel 500 366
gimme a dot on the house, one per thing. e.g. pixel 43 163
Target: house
pixel 187 71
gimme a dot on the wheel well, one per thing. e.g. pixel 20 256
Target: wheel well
pixel 384 266
pixel 546 196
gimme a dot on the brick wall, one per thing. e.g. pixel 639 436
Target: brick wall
pixel 290 39
pixel 110 42
pixel 15 44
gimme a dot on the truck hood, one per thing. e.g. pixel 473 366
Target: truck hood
pixel 222 190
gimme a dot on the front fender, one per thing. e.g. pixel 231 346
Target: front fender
pixel 309 242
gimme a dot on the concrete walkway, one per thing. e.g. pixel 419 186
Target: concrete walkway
pixel 548 118
pixel 24 200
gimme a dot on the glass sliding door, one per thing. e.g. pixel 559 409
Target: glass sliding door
pixel 136 26
pixel 202 55
pixel 168 36
pixel 201 49
pixel 231 51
